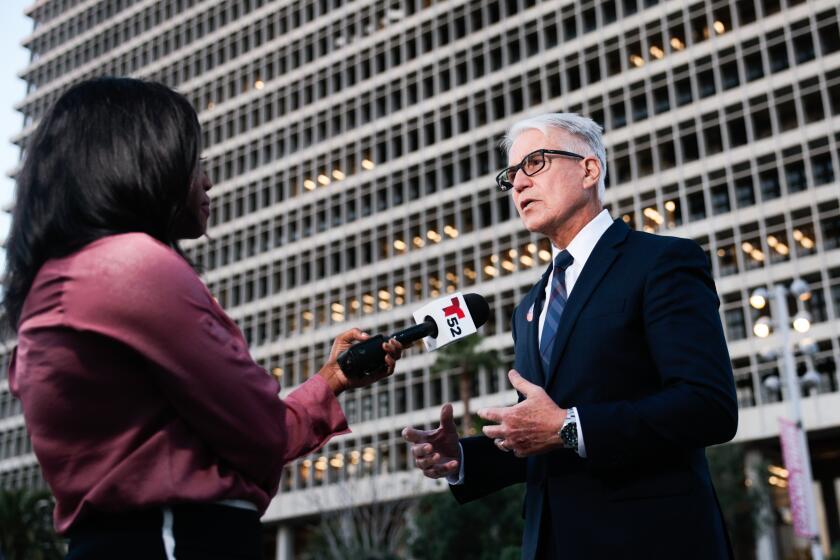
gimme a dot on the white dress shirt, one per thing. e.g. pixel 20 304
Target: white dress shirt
pixel 580 248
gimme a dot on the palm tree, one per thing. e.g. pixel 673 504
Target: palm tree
pixel 465 358
pixel 26 530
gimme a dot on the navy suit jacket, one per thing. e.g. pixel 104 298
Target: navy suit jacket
pixel 640 352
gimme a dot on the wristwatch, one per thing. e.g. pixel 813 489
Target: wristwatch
pixel 568 433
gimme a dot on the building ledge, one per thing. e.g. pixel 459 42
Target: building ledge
pixel 762 422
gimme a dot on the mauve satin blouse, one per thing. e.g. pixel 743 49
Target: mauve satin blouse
pixel 138 390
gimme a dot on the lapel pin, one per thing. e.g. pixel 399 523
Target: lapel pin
pixel 530 316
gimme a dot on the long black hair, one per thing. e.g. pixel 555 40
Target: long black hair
pixel 113 155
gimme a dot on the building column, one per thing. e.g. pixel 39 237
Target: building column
pixel 766 547
pixel 285 543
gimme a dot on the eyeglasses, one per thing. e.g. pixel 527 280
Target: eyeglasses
pixel 530 165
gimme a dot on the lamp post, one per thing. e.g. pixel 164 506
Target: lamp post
pixel 801 323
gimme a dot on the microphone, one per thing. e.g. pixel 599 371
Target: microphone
pixel 439 323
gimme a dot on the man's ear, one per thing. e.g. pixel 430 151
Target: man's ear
pixel 591 171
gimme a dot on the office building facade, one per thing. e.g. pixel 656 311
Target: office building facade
pixel 353 146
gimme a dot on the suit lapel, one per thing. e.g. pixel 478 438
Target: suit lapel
pixel 596 267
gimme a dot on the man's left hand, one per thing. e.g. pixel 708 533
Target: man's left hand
pixel 530 427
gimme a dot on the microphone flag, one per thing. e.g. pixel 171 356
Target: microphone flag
pixel 452 316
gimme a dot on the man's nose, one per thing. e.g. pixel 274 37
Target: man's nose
pixel 521 181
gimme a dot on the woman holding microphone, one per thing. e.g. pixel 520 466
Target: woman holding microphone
pixel 158 434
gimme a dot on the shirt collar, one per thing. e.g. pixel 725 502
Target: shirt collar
pixel 584 242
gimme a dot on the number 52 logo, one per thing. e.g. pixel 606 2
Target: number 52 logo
pixel 455 310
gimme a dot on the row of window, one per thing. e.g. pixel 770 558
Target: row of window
pixel 590 16
pixel 27 477
pixel 282 60
pixel 138 23
pixel 646 155
pixel 14 443
pixel 738 185
pixel 299 313
pixel 751 373
pixel 48 11
pixel 362 457
pixel 708 76
pixel 561 77
pixel 9 405
pixel 348 203
pixel 727 128
pixel 292 56
pixel 271 147
pixel 77 24
pixel 786 235
pixel 371 18
pixel 769 240
pixel 796 105
pixel 414 186
pixel 823 304
pixel 618 54
pixel 774 239
pixel 216 17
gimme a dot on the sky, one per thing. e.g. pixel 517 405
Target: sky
pixel 14 26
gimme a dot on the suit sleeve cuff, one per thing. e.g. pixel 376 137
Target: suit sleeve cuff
pixel 456 480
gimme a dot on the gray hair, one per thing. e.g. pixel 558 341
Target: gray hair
pixel 587 134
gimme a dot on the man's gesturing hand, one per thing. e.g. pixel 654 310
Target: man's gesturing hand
pixel 530 427
pixel 436 452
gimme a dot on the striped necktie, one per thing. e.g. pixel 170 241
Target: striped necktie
pixel 556 304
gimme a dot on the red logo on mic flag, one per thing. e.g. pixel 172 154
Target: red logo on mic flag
pixel 454 309
pixel 452 316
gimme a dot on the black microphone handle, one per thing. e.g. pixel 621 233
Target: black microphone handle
pixel 367 357
pixel 416 332
pixel 364 358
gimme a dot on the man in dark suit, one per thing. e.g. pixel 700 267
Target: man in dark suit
pixel 621 368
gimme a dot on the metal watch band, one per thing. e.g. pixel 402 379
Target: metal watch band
pixel 568 433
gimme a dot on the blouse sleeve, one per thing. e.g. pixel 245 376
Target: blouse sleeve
pixel 146 296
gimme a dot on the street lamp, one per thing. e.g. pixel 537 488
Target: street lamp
pixel 762 327
pixel 801 322
pixel 758 299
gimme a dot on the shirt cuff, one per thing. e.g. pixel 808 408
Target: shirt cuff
pixel 581 450
pixel 452 479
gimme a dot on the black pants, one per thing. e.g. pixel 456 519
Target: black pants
pixel 184 531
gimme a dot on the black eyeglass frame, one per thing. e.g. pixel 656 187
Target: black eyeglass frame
pixel 505 185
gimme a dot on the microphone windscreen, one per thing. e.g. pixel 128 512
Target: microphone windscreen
pixel 479 309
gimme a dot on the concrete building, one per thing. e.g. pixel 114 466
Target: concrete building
pixel 353 145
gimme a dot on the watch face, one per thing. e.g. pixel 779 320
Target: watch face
pixel 569 434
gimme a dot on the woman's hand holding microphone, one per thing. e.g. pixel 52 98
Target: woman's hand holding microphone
pixel 339 381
